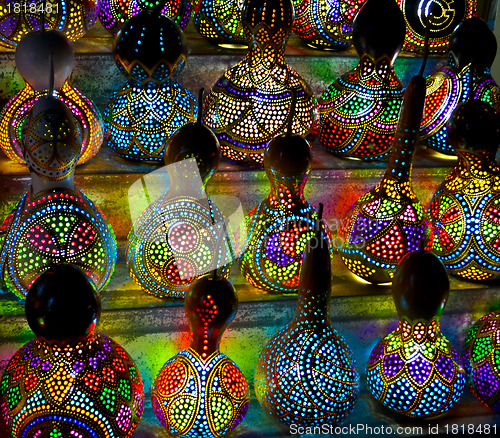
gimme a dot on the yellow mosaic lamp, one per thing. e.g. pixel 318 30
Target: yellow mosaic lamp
pixel 251 102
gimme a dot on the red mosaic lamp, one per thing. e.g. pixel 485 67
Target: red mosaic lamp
pixel 70 380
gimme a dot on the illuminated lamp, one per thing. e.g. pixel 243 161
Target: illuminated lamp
pixel 54 222
pixel 150 50
pixel 71 381
pixel 465 211
pixel 325 24
pixel 472 51
pixel 359 111
pixel 415 371
pixel 306 374
pixel 200 392
pixel 251 102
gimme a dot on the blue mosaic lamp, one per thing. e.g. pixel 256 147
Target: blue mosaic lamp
pixel 150 50
pixel 306 374
pixel 415 371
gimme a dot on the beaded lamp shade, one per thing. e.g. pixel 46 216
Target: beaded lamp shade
pixel 415 371
pixel 73 17
pixel 482 360
pixel 442 16
pixel 114 13
pixel 466 76
pixel 86 114
pixel 250 104
pixel 280 226
pixel 359 111
pixel 465 209
pixel 219 21
pixel 70 381
pixel 200 392
pixel 150 50
pixel 389 221
pixel 306 374
pixel 325 24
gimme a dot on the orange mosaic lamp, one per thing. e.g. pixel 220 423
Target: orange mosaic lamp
pixel 71 381
pixel 465 211
pixel 359 111
pixel 251 102
pixel 200 392
pixel 441 16
pixel 72 17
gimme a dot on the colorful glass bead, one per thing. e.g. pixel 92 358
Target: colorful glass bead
pixel 180 235
pixel 306 374
pixel 359 111
pixel 219 21
pixel 200 392
pixel 141 116
pixel 481 357
pixel 325 24
pixel 472 51
pixel 414 370
pixel 70 381
pixel 280 226
pixel 250 103
pixel 465 211
pixel 114 13
pixel 54 222
pixel 73 17
pixel 389 221
pixel 442 16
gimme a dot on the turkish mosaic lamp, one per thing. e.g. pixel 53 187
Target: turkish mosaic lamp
pixel 482 360
pixel 415 371
pixel 178 236
pixel 467 75
pixel 19 17
pixel 250 104
pixel 200 392
pixel 359 111
pixel 279 228
pixel 150 50
pixel 441 16
pixel 114 13
pixel 32 55
pixel 465 208
pixel 306 374
pixel 389 221
pixel 54 222
pixel 70 380
pixel 219 22
pixel 325 24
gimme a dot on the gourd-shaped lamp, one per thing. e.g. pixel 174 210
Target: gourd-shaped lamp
pixel 389 221
pixel 219 21
pixel 251 103
pixel 72 17
pixel 482 360
pixel 54 222
pixel 306 374
pixel 472 51
pixel 71 380
pixel 465 209
pixel 441 16
pixel 179 235
pixel 114 13
pixel 359 111
pixel 32 55
pixel 279 228
pixel 415 371
pixel 150 50
pixel 200 392
pixel 325 24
